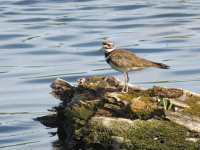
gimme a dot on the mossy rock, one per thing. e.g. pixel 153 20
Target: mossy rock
pixel 77 115
pixel 138 134
pixel 97 115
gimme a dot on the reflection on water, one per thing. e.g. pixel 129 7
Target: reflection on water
pixel 43 40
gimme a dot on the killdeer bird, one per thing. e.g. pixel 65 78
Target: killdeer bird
pixel 125 61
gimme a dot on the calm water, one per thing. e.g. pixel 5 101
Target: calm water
pixel 44 39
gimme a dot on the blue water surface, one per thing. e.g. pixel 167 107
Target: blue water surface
pixel 41 40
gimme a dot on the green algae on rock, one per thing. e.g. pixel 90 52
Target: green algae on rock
pixel 97 115
pixel 138 134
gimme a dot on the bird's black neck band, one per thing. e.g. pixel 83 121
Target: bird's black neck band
pixel 107 54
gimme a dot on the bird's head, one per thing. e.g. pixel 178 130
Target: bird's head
pixel 108 45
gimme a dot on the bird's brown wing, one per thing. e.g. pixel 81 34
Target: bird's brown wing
pixel 123 58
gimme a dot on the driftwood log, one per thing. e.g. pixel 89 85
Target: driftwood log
pixel 96 115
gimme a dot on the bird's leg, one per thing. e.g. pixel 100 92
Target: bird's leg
pixel 124 86
pixel 127 80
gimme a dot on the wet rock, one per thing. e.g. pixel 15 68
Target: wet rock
pixel 62 90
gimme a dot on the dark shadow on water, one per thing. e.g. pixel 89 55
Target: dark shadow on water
pixel 16 46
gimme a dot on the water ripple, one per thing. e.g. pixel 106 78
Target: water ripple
pixel 187 72
pixel 129 7
pixel 10 36
pixel 60 37
pixel 26 2
pixel 173 15
pixel 153 50
pixel 89 53
pixel 28 20
pixel 87 44
pixel 10 129
pixel 43 52
pixel 66 19
pixel 16 46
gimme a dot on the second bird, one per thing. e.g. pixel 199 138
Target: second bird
pixel 125 61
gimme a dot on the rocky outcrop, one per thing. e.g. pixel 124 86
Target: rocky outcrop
pixel 95 114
